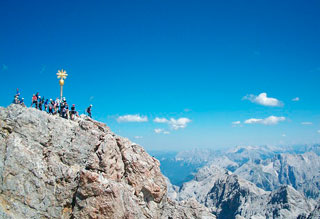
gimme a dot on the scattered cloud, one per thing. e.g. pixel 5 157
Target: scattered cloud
pixel 236 124
pixel 132 118
pixel 161 131
pixel 263 99
pixel 318 131
pixel 160 120
pixel 4 67
pixel 296 99
pixel 138 137
pixel 306 123
pixel 179 123
pixel 174 123
pixel 271 120
pixel 158 131
pixel 284 135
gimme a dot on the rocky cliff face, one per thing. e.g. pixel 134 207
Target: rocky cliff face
pixel 55 168
pixel 229 196
pixel 301 171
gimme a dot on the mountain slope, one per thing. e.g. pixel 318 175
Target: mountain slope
pixel 301 171
pixel 55 168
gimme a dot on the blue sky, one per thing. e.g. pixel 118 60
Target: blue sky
pixel 197 61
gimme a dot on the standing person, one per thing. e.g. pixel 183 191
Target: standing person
pixel 57 105
pixel 66 107
pixel 73 112
pixel 40 103
pixel 51 106
pixel 46 105
pixel 34 101
pixel 62 106
pixel 22 102
pixel 16 99
pixel 63 112
pixel 89 111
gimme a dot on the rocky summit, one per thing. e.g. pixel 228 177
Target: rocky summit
pixel 51 167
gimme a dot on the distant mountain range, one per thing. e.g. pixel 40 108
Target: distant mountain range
pixel 180 167
pixel 229 196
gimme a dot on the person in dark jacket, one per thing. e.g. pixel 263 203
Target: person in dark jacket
pixel 40 103
pixel 46 105
pixel 73 112
pixel 89 111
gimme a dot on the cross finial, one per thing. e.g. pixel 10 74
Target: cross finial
pixel 62 74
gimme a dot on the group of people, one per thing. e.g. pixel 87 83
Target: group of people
pixel 53 107
pixel 17 99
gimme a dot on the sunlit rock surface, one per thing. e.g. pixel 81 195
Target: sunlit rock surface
pixel 56 168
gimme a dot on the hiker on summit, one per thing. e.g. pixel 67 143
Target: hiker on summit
pixel 66 107
pixel 16 99
pixel 61 110
pixel 89 111
pixel 73 112
pixel 40 103
pixel 51 106
pixel 56 105
pixel 34 101
pixel 22 102
pixel 46 105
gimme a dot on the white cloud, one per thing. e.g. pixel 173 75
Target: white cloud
pixel 263 99
pixel 138 137
pixel 132 118
pixel 271 120
pixel 159 131
pixel 284 135
pixel 236 123
pixel 318 131
pixel 179 123
pixel 160 120
pixel 174 123
pixel 306 123
pixel 253 120
pixel 296 99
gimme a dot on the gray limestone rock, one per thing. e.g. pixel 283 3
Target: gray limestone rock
pixel 229 196
pixel 56 168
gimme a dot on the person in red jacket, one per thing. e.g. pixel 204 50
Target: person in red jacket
pixel 34 101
